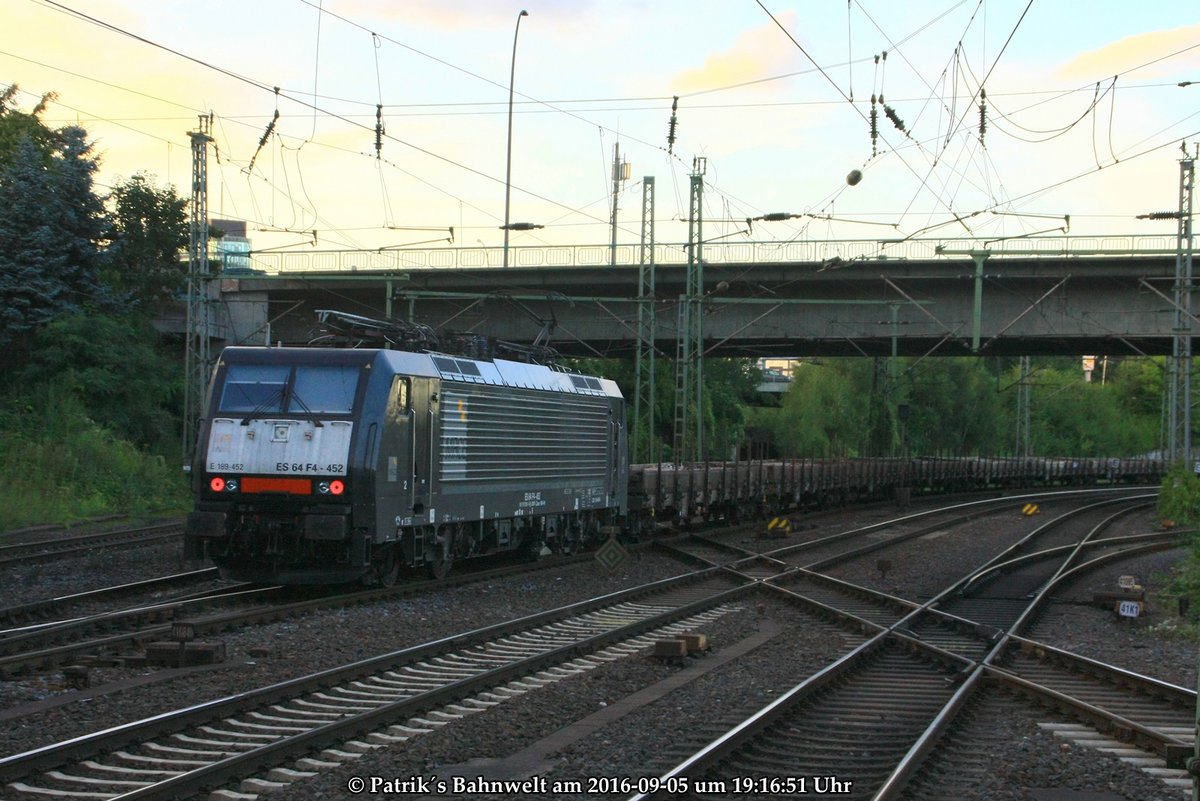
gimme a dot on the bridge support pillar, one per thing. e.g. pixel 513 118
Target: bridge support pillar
pixel 979 257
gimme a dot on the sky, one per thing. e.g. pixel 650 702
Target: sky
pixel 1084 118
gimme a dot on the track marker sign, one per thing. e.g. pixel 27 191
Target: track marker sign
pixel 1129 608
pixel 1030 509
pixel 611 555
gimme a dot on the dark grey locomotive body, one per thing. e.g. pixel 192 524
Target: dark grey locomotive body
pixel 329 465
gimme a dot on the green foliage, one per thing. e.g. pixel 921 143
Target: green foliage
pixel 57 464
pixel 52 231
pixel 965 406
pixel 17 126
pixel 822 410
pixel 1179 497
pixel 151 228
pixel 114 369
pixel 954 408
pixel 1179 503
pixel 729 386
pixel 89 410
pixel 1072 417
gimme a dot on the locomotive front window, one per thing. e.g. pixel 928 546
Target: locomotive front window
pixel 254 388
pixel 325 390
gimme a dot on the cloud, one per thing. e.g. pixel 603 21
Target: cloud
pixel 758 53
pixel 1132 51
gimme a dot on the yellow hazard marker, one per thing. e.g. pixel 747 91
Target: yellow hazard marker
pixel 1030 509
pixel 779 527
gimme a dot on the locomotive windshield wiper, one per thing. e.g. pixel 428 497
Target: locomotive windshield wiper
pixel 261 409
pixel 304 407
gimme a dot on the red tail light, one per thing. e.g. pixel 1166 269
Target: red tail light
pixel 336 487
pixel 217 484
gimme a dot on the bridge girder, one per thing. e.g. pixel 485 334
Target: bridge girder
pixel 1034 306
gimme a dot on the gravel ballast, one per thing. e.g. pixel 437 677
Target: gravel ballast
pixel 646 740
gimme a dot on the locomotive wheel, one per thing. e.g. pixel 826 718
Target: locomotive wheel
pixel 385 568
pixel 439 568
pixel 443 553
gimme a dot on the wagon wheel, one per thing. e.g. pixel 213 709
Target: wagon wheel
pixel 568 542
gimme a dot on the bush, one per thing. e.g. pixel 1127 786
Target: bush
pixel 1179 498
pixel 58 465
pixel 1179 504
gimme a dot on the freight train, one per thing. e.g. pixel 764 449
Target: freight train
pixel 328 465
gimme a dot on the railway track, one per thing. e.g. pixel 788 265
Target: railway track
pixel 864 725
pixel 49 611
pixel 936 647
pixel 111 634
pixel 46 550
pixel 384 701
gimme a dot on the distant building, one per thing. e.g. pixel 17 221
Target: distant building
pixel 777 375
pixel 232 247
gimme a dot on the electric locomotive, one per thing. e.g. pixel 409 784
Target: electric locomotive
pixel 320 465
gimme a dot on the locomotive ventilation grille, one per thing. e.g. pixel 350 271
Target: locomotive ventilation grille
pixel 501 434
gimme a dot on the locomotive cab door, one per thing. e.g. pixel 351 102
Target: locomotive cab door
pixel 395 470
pixel 424 402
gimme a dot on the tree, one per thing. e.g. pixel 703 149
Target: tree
pixel 52 230
pixel 33 264
pixel 85 225
pixel 728 384
pixel 150 229
pixel 954 408
pixel 17 126
pixel 823 410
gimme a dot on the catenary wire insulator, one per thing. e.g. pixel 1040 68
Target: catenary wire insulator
pixel 262 142
pixel 671 126
pixel 874 127
pixel 982 116
pixel 378 130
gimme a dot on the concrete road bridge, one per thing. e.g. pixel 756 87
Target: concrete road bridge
pixel 1074 295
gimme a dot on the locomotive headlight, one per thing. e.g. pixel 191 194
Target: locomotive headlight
pixel 216 484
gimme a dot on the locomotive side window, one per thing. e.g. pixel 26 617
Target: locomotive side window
pixel 401 389
pixel 254 387
pixel 325 389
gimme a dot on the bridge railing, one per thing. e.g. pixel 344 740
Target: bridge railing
pixel 810 250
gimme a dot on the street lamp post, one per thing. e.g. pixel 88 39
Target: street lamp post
pixel 508 168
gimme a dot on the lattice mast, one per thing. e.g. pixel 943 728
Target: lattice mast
pixel 689 347
pixel 1179 425
pixel 644 450
pixel 197 355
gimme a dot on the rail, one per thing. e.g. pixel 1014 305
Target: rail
pixel 746 252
